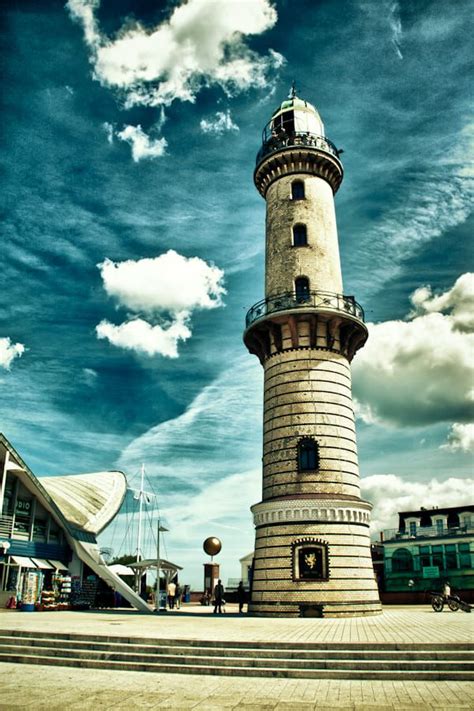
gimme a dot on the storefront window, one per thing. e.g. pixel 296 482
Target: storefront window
pixel 464 555
pixel 450 554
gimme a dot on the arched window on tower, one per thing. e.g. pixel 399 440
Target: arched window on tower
pixel 300 238
pixel 302 289
pixel 297 190
pixel 308 455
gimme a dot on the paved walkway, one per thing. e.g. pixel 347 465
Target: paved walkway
pixel 54 688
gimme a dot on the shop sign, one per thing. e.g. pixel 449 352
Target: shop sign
pixel 431 571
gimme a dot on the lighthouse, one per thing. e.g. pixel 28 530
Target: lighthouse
pixel 312 543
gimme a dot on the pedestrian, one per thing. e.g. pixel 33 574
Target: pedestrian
pixel 179 594
pixel 218 597
pixel 171 594
pixel 241 596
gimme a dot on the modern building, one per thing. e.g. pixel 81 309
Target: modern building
pixel 48 533
pixel 429 547
pixel 312 550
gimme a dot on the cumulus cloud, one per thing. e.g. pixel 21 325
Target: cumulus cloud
pixel 418 372
pixel 142 145
pixel 220 124
pixel 9 351
pixel 140 336
pixel 202 43
pixel 168 283
pixel 167 288
pixel 460 438
pixel 390 494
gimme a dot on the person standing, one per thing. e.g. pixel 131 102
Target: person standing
pixel 171 594
pixel 241 596
pixel 218 597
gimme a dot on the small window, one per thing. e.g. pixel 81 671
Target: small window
pixel 300 238
pixel 308 455
pixel 302 289
pixel 297 190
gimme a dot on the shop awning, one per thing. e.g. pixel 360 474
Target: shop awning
pixel 40 563
pixel 59 566
pixel 23 561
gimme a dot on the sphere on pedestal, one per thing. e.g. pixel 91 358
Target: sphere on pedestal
pixel 212 545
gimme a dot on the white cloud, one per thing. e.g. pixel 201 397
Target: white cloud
pixel 419 372
pixel 202 43
pixel 169 287
pixel 109 130
pixel 168 283
pixel 459 301
pixel 461 438
pixel 9 351
pixel 390 494
pixel 89 376
pixel 142 145
pixel 140 336
pixel 220 124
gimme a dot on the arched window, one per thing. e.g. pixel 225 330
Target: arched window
pixel 402 561
pixel 297 190
pixel 300 238
pixel 302 289
pixel 308 455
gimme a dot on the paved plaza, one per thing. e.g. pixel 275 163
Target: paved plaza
pixel 44 687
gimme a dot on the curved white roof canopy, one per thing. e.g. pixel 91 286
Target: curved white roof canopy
pixel 88 501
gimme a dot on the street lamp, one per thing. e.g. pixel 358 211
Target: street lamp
pixel 158 604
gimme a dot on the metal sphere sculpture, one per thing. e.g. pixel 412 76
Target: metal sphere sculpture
pixel 212 546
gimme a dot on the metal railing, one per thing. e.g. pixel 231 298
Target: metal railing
pixel 393 534
pixel 275 140
pixel 320 300
pixel 6 526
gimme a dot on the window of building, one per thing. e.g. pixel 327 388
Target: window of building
pixel 450 556
pixel 300 237
pixel 464 555
pixel 302 289
pixel 297 190
pixel 402 561
pixel 412 528
pixel 437 555
pixel 308 455
pixel 425 558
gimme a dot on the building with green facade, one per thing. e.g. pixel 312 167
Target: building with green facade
pixel 429 547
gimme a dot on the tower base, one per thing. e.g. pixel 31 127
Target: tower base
pixel 312 559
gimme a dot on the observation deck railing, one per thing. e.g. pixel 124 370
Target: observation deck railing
pixel 320 300
pixel 275 140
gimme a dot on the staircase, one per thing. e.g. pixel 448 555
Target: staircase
pixel 260 659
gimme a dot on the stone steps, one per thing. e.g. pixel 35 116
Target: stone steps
pixel 303 661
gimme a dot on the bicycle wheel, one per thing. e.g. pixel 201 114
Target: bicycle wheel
pixel 437 603
pixel 453 604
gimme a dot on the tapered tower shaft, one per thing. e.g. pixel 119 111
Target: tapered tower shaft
pixel 312 551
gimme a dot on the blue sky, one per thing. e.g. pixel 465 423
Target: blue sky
pixel 133 242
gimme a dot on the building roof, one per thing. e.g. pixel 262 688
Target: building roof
pixel 433 512
pixel 88 501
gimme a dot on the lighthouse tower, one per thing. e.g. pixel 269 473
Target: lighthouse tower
pixel 312 547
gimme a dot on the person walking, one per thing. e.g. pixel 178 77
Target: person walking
pixel 241 596
pixel 179 595
pixel 171 594
pixel 218 597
